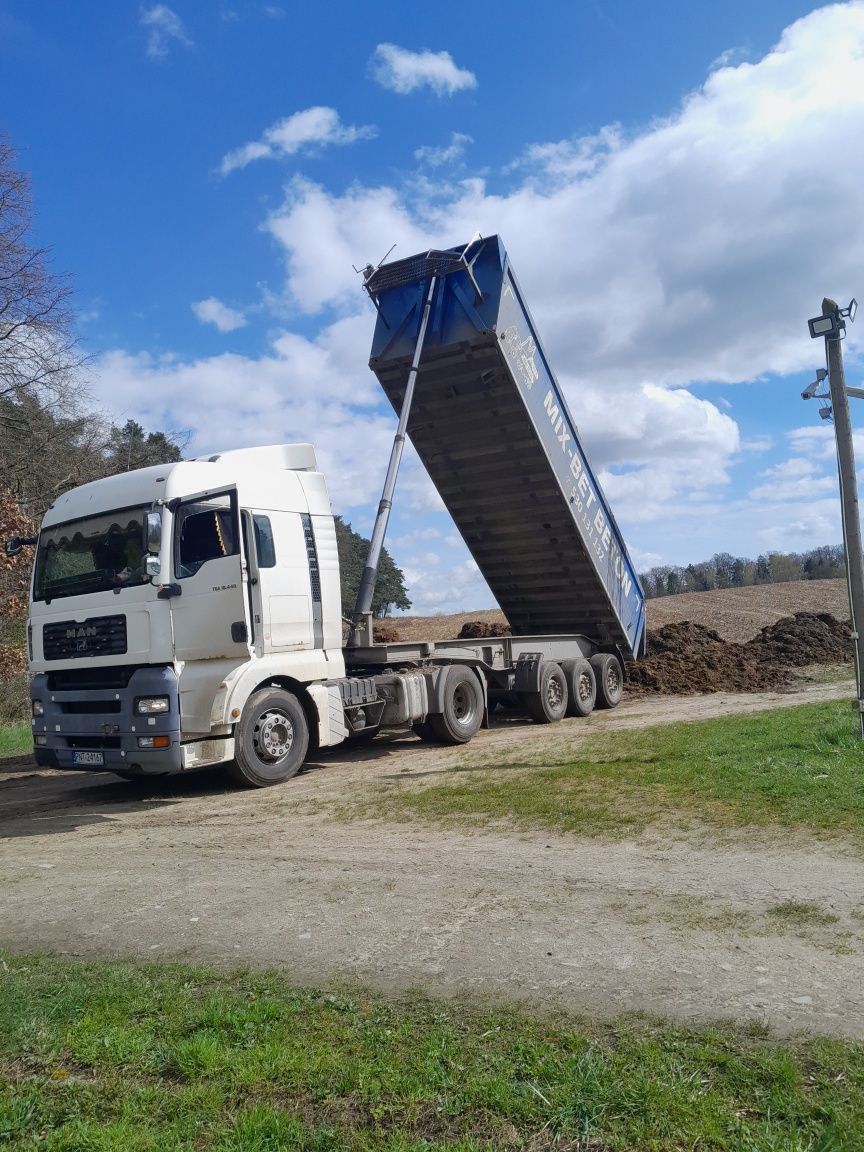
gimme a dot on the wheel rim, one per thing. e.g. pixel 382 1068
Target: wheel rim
pixel 613 679
pixel 273 736
pixel 464 704
pixel 584 687
pixel 554 693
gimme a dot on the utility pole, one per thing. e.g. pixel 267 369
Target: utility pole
pixel 833 327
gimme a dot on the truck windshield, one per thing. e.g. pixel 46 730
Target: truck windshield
pixel 94 554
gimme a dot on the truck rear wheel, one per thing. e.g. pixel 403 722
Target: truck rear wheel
pixel 610 679
pixel 581 687
pixel 549 704
pixel 462 715
pixel 271 740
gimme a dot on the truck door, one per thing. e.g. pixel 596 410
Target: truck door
pixel 211 613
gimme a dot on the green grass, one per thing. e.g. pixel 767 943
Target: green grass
pixel 15 740
pixel 792 768
pixel 801 914
pixel 129 1058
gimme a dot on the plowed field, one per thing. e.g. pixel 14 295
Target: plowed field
pixel 737 614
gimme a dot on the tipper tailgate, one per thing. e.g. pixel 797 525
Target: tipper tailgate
pixel 491 426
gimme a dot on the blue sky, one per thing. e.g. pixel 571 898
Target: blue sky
pixel 661 176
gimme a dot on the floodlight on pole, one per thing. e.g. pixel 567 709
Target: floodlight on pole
pixel 824 325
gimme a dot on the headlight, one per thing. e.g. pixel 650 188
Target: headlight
pixel 38 708
pixel 147 705
pixel 154 741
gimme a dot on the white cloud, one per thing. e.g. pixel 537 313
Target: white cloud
pixel 300 390
pixel 312 128
pixel 798 478
pixel 213 311
pixel 652 262
pixel 434 587
pixel 163 26
pixel 403 71
pixel 683 254
pixel 447 153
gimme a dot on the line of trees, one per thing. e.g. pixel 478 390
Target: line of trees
pixel 390 589
pixel 724 570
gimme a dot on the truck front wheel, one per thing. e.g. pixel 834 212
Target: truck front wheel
pixel 610 679
pixel 271 740
pixel 462 713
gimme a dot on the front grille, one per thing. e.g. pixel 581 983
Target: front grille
pixel 90 707
pixel 71 640
pixel 92 743
pixel 90 679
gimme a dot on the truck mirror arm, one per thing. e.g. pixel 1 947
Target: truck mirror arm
pixel 15 543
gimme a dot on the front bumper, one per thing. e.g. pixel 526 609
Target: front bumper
pixel 102 721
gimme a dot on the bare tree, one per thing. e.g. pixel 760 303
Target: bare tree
pixel 39 353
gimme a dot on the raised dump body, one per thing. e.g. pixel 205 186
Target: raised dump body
pixel 491 426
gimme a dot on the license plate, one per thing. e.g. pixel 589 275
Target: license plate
pixel 88 758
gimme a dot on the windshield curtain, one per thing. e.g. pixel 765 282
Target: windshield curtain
pixel 95 554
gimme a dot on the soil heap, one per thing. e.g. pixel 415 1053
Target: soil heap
pixel 686 658
pixel 482 629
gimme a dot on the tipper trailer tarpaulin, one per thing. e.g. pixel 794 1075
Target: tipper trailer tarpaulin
pixel 490 423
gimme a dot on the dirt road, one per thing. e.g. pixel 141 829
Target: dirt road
pixel 195 870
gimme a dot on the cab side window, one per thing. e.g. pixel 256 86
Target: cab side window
pixel 205 530
pixel 265 549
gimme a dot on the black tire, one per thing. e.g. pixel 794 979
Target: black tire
pixel 581 687
pixel 271 740
pixel 610 679
pixel 549 705
pixel 463 707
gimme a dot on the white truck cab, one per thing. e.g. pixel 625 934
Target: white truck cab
pixel 163 598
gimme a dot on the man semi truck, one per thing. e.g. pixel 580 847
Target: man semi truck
pixel 190 615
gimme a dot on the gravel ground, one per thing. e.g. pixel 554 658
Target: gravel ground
pixel 192 869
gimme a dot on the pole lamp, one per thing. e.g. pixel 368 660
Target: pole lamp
pixel 831 326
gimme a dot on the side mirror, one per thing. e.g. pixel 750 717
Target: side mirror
pixel 154 532
pixel 153 566
pixel 15 543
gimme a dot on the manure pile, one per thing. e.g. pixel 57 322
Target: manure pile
pixel 685 658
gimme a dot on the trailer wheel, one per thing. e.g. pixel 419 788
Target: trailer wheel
pixel 272 739
pixel 549 704
pixel 463 707
pixel 610 679
pixel 581 687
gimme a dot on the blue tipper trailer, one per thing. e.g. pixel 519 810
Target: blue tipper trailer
pixel 493 430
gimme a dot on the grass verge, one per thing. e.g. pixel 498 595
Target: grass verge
pixel 15 740
pixel 120 1057
pixel 798 768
